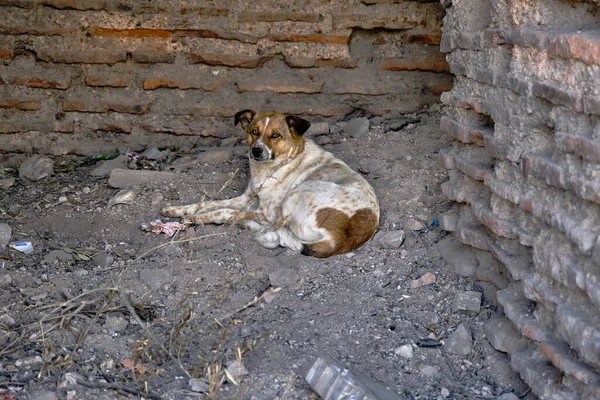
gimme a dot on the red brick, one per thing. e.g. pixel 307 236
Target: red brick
pixel 83 56
pixel 555 95
pixel 582 146
pixel 476 171
pixel 156 83
pixel 75 4
pixel 131 33
pixel 438 64
pixel 211 11
pixel 495 224
pixel 6 54
pixel 307 62
pixel 114 128
pixel 110 81
pixel 105 107
pixel 229 60
pixel 474 236
pixel 591 104
pixel 328 39
pixel 583 46
pixel 152 57
pixel 259 16
pixel 463 133
pixel 42 126
pixel 423 39
pixel 215 34
pixel 37 31
pixel 24 105
pixel 246 86
pixel 368 21
pixel 43 83
pixel 560 355
pixel 18 3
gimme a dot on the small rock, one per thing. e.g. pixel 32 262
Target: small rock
pixel 117 323
pixel 460 341
pixel 57 255
pixel 153 153
pixel 390 239
pixel 5 234
pixel 467 301
pixel 32 362
pixel 284 277
pixel 414 225
pixel 357 128
pixel 106 167
pixel 155 278
pixel 236 369
pixel 406 351
pixel 427 279
pixel 103 260
pixel 216 156
pixel 400 123
pixel 230 141
pixel 36 167
pixel 129 178
pixel 508 396
pixel 444 392
pixel 5 183
pixel 107 365
pixel 504 336
pixel 5 280
pixel 69 379
pixel 317 129
pixel 199 385
pixel 448 222
pixel 7 320
pixel 430 370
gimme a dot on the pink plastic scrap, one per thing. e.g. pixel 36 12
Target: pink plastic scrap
pixel 168 228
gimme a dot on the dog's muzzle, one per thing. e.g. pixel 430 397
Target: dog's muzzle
pixel 261 152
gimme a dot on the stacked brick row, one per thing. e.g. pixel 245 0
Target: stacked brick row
pixel 525 168
pixel 87 76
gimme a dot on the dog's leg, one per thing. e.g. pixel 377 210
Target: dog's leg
pixel 242 202
pixel 250 219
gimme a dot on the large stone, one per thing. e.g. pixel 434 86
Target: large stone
pixel 216 156
pixel 129 178
pixel 36 167
pixel 357 128
pixel 156 278
pixel 106 167
pixel 504 336
pixel 5 234
pixel 467 301
pixel 460 257
pixel 460 341
pixel 317 129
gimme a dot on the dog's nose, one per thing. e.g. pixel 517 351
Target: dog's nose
pixel 257 152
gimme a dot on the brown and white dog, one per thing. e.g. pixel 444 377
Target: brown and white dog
pixel 299 196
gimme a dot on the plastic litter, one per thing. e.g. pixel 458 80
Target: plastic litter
pixel 168 228
pixel 333 382
pixel 428 342
pixel 23 247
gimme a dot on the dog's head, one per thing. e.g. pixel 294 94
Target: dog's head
pixel 272 135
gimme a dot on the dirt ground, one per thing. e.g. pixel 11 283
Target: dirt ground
pixel 104 310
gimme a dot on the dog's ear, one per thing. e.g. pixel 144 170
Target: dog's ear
pixel 245 117
pixel 297 124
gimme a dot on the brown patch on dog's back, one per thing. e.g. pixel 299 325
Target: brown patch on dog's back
pixel 346 233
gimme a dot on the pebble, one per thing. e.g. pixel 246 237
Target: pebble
pixel 108 166
pixel 390 239
pixel 36 167
pixel 32 362
pixel 130 178
pixel 444 392
pixel 413 225
pixel 5 280
pixel 199 385
pixel 430 370
pixel 405 351
pixel 236 369
pixel 155 278
pixel 460 341
pixel 467 301
pixel 117 323
pixel 357 128
pixel 57 255
pixel 427 279
pixel 5 234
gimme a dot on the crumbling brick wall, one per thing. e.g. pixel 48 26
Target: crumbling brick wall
pixel 95 76
pixel 525 166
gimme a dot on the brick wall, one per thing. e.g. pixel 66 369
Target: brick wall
pixel 525 171
pixel 95 76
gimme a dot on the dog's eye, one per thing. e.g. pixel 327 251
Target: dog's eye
pixel 254 132
pixel 275 135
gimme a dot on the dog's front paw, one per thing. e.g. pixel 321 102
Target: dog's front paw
pixel 270 240
pixel 169 211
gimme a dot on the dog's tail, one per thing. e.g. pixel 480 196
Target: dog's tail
pixel 345 233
